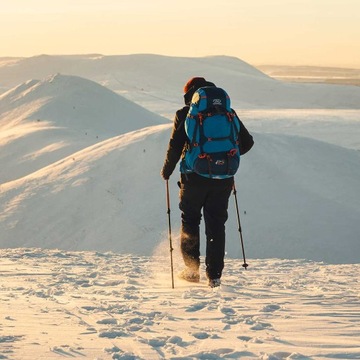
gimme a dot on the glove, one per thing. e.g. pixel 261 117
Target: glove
pixel 164 174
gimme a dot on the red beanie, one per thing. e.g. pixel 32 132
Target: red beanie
pixel 195 81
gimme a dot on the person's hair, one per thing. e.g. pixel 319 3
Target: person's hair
pixel 195 81
pixel 192 85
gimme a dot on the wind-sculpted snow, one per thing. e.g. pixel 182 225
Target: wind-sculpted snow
pixel 110 306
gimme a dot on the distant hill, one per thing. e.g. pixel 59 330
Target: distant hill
pixel 144 78
pixel 313 74
pixel 43 121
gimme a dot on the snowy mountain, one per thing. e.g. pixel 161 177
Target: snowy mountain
pixel 44 121
pixel 156 82
pixel 71 101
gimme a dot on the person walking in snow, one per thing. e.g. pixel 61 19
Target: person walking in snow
pixel 199 193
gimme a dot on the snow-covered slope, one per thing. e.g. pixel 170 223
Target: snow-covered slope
pixel 298 197
pixel 75 177
pixel 71 101
pixel 43 121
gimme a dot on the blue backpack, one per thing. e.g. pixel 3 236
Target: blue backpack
pixel 212 128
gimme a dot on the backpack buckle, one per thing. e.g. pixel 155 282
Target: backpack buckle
pixel 230 116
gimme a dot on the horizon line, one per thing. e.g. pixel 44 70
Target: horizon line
pixel 338 66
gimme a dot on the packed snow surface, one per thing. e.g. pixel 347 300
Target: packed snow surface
pixel 88 305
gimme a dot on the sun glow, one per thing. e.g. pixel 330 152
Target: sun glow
pixel 284 32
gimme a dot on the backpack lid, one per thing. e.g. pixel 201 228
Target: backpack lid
pixel 210 96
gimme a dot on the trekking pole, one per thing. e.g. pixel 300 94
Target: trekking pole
pixel 245 265
pixel 170 240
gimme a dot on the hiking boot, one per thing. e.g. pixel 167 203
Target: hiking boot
pixel 214 283
pixel 190 275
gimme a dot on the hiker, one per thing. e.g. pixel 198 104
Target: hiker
pixel 197 192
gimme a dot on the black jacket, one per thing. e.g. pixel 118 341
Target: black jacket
pixel 178 144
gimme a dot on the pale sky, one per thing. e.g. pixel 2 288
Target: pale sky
pixel 283 32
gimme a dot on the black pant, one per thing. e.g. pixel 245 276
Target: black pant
pixel 213 199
